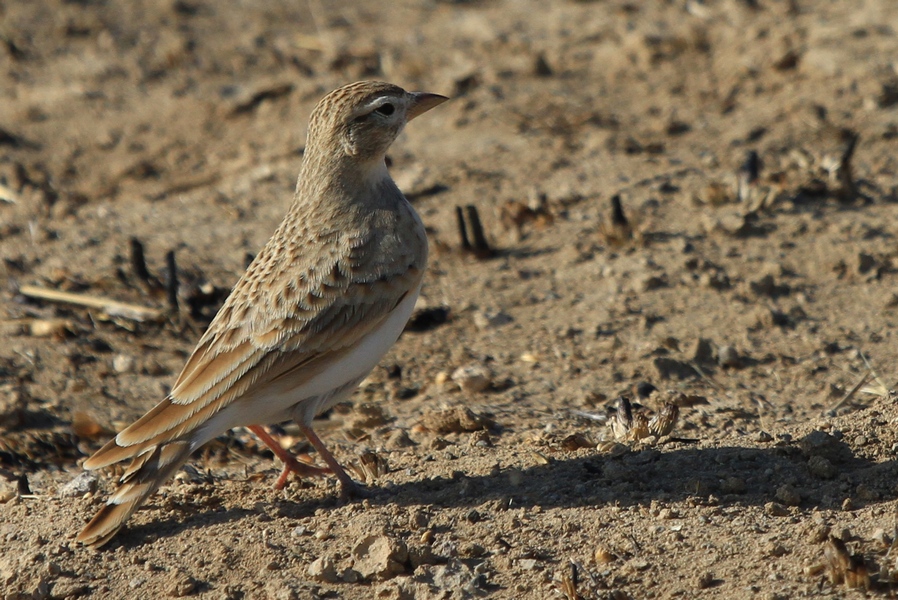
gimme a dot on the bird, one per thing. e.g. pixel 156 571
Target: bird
pixel 320 304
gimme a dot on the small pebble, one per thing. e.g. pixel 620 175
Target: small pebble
pixel 379 557
pixel 83 483
pixel 322 569
pixel 727 356
pixel 788 495
pixel 775 509
pixel 821 467
pixel 183 586
pixel 528 564
pixel 704 581
pixel 472 378
pixel 123 363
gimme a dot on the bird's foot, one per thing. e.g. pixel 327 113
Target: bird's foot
pixel 291 465
pixel 300 469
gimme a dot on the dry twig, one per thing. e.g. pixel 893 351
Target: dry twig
pixel 113 308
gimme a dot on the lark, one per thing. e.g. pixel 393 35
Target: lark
pixel 321 303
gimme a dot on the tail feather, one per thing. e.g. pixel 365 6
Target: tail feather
pixel 143 477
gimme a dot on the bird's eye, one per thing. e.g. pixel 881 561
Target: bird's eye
pixel 385 109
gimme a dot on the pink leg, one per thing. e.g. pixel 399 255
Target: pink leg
pixel 291 465
pixel 348 487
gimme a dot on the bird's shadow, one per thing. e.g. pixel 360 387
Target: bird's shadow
pixel 789 473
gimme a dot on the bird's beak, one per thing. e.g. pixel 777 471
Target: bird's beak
pixel 423 102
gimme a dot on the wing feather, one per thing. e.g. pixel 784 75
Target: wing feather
pixel 264 333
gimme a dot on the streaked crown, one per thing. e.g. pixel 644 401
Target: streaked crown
pixel 362 119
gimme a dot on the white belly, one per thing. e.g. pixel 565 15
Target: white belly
pixel 274 404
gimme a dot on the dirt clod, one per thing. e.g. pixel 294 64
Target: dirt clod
pixel 84 483
pixel 379 557
pixel 472 378
pixel 454 420
pixel 322 569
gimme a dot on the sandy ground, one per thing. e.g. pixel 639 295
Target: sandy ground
pixel 751 145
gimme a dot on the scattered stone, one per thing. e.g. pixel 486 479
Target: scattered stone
pixel 576 441
pixel 123 363
pixel 788 495
pixel 350 576
pixel 733 485
pixel 480 439
pixel 446 547
pixel 281 589
pixel 322 569
pixel 728 357
pixel 458 578
pixel 419 519
pixel 821 467
pixel 379 557
pixel 85 482
pixel 818 534
pixel 704 581
pixel 366 415
pixel 455 420
pixel 9 489
pixel 472 378
pixel 400 589
pixel 399 439
pixel 67 588
pixel 822 444
pixel 866 493
pixel 41 590
pixel 421 554
pixel 637 564
pixel 775 509
pixel 528 564
pixel 183 585
pixel 439 443
pixel 8 570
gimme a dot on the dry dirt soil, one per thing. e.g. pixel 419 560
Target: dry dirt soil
pixel 750 282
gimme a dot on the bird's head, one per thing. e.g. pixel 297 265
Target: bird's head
pixel 361 120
